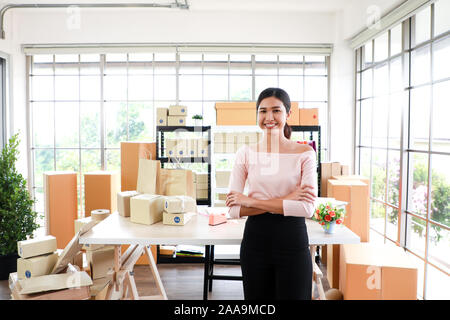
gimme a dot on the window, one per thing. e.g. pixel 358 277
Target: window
pixel 83 105
pixel 412 79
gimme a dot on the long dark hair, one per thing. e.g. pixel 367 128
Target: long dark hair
pixel 281 95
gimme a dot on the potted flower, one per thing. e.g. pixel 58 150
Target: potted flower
pixel 328 216
pixel 17 218
pixel 197 119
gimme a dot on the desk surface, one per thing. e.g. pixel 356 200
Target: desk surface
pixel 115 230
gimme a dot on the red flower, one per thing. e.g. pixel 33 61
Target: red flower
pixel 331 213
pixel 327 218
pixel 317 211
pixel 322 223
pixel 338 221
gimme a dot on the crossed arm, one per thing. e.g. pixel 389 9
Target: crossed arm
pixel 251 206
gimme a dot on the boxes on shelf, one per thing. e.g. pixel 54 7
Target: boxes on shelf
pixel 327 169
pixel 130 153
pixel 161 116
pixel 222 178
pixel 176 120
pixel 36 266
pixel 309 116
pixel 203 145
pixel 377 272
pixel 61 205
pixel 100 191
pixel 235 113
pixel 192 147
pixel 294 119
pixel 202 194
pixel 176 110
pixel 123 202
pixel 146 208
pixel 219 137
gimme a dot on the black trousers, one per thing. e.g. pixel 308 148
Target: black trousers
pixel 275 258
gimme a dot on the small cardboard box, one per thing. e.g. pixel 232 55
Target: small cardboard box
pixel 36 266
pixel 101 261
pixel 309 117
pixel 328 169
pixel 203 145
pixel 181 148
pixel 177 219
pixel 123 202
pixel 202 194
pixel 176 110
pixel 100 191
pixel 201 177
pixel 294 119
pixel 219 137
pixel 179 204
pixel 231 137
pixel 161 116
pixel 36 247
pixel 345 170
pixel 171 147
pixel 192 147
pixel 146 208
pixel 222 178
pixel 54 282
pixel 176 120
pixel 235 113
pixel 377 272
pixel 201 186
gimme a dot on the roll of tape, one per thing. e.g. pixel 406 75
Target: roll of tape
pixel 99 214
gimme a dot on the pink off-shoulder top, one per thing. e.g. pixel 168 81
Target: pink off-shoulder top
pixel 274 175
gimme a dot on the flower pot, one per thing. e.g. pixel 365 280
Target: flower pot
pixel 329 227
pixel 198 122
pixel 8 264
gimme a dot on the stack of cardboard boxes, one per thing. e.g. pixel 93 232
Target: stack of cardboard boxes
pixel 185 148
pixel 201 185
pixel 37 257
pixel 175 115
pixel 178 210
pixel 230 142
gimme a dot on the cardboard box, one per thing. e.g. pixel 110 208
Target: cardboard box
pixel 36 266
pixel 231 137
pixel 219 148
pixel 309 117
pixel 353 177
pixel 219 137
pixel 61 205
pixel 332 259
pixel 100 191
pixel 326 172
pixel 177 219
pixel 203 145
pixel 181 149
pixel 222 178
pixel 146 208
pixel 294 119
pixel 130 153
pixel 123 202
pixel 179 204
pixel 80 223
pixel 235 113
pixel 53 282
pixel 76 293
pixel 201 186
pixel 36 247
pixel 201 177
pixel 101 261
pixel 176 120
pixel 222 196
pixel 161 116
pixel 192 147
pixel 176 110
pixel 345 170
pixel 202 194
pixel 377 272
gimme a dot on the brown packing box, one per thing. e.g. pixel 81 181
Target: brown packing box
pixel 161 116
pixel 130 153
pixel 123 202
pixel 101 261
pixel 294 119
pixel 201 177
pixel 36 266
pixel 235 113
pixel 61 205
pixel 345 170
pixel 353 177
pixel 327 170
pixel 309 117
pixel 146 208
pixel 100 191
pixel 36 247
pixel 54 282
pixel 192 147
pixel 75 293
pixel 176 120
pixel 373 271
pixel 202 194
pixel 176 110
pixel 222 178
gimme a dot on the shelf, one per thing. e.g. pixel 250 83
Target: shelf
pixel 185 160
pixel 187 128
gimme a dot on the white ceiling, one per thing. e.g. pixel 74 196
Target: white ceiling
pixel 244 5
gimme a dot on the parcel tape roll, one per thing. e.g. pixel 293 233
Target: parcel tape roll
pixel 99 214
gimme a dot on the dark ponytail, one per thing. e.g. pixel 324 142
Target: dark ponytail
pixel 281 95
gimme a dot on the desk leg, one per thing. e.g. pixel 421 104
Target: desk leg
pixel 211 268
pixel 206 272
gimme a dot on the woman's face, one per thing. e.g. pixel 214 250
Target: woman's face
pixel 272 115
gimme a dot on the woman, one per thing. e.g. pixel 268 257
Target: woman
pixel 282 187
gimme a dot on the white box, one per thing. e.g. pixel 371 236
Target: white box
pixel 146 208
pixel 177 219
pixel 36 247
pixel 36 266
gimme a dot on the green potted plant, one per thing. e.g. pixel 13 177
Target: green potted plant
pixel 17 218
pixel 197 119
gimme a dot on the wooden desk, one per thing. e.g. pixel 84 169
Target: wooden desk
pixel 117 230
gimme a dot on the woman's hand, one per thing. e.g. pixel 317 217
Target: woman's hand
pixel 302 193
pixel 237 198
